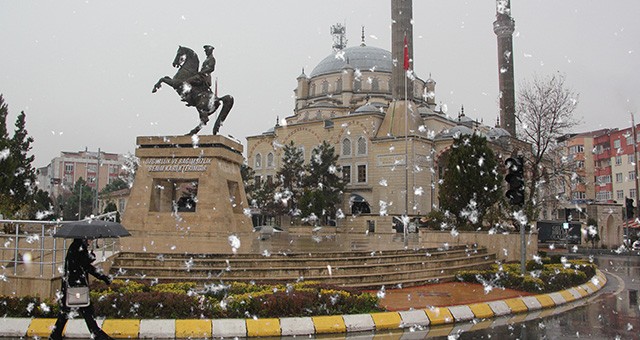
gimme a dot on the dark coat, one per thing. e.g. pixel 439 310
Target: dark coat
pixel 78 265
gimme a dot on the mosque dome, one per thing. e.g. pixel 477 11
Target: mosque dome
pixel 455 132
pixel 497 132
pixel 358 57
pixel 368 108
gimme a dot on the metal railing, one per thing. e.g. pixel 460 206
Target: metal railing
pixel 28 248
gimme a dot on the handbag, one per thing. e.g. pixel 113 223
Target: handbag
pixel 77 296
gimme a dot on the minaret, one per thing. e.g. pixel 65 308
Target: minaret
pixel 401 26
pixel 503 28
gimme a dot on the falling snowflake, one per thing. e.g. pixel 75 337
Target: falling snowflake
pixel 383 182
pixel 234 242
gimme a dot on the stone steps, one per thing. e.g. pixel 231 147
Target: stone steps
pixel 349 269
pixel 283 261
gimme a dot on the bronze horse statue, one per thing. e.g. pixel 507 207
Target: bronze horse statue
pixel 194 88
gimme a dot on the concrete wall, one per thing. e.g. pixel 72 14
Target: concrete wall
pixel 42 287
pixel 505 246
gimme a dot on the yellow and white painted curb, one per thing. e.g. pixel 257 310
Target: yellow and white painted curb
pixel 450 317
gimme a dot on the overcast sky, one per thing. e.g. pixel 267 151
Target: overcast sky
pixel 83 70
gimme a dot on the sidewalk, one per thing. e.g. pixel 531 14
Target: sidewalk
pixel 419 307
pixel 442 295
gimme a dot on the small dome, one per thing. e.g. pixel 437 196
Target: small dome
pixel 271 131
pixel 497 132
pixel 368 108
pixel 455 132
pixel 465 119
pixel 358 57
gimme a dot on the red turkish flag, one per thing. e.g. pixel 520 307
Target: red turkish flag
pixel 406 53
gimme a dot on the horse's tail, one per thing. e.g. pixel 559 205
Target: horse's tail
pixel 227 104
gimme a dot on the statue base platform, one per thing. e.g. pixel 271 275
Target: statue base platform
pixel 186 187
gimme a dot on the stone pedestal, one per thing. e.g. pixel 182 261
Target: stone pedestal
pixel 186 187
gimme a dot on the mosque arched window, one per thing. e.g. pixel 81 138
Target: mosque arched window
pixel 362 146
pixel 339 85
pixel 375 84
pixel 270 160
pixel 346 147
pixel 258 161
pixel 357 85
pixel 325 87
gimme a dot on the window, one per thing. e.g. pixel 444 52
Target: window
pixel 91 167
pixel 603 195
pixel 68 179
pixel 619 194
pixel 257 180
pixel 269 179
pixel 632 175
pixel 375 84
pixel 68 167
pixel 362 173
pixel 270 160
pixel 616 144
pixel 258 161
pixel 618 160
pixel 632 193
pixel 580 164
pixel 629 140
pixel 604 179
pixel 631 159
pixel 576 149
pixel 357 85
pixel 346 147
pixel 579 195
pixel 325 87
pixel 113 169
pixel 346 174
pixel 619 177
pixel 301 149
pixel 339 85
pixel 362 146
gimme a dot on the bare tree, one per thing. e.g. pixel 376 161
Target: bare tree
pixel 545 112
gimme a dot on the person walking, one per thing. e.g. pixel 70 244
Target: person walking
pixel 77 267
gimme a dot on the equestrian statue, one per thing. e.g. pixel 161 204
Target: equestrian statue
pixel 194 87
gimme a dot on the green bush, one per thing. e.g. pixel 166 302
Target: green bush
pixel 150 305
pixel 549 276
pixel 27 306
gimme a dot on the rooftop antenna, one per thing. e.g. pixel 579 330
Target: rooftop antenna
pixel 339 32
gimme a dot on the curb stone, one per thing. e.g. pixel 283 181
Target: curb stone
pixel 455 318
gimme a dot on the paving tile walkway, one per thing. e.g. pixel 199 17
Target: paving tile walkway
pixel 443 294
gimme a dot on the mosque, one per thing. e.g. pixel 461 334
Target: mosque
pixel 383 121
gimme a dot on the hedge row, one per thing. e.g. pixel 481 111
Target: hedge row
pixel 542 276
pixel 132 299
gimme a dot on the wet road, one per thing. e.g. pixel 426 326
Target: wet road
pixel 613 313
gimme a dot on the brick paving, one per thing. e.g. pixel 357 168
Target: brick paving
pixel 443 294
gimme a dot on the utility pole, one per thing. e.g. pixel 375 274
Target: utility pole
pixel 635 158
pixel 95 196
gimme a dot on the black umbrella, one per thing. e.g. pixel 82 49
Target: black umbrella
pixel 91 229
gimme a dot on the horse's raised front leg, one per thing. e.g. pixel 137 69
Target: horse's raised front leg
pixel 164 79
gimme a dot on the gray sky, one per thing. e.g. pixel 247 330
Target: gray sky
pixel 83 70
